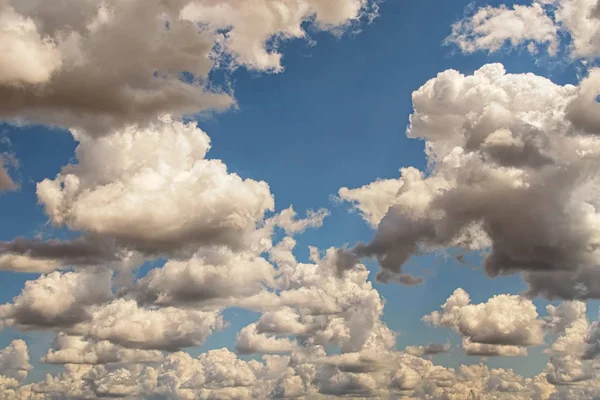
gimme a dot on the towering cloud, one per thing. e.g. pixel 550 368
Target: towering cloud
pixel 514 167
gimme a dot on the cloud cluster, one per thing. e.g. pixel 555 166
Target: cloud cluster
pixel 307 312
pixel 221 374
pixel 103 64
pixel 514 168
pixel 540 24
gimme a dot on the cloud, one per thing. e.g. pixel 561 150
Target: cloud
pixel 427 350
pixel 286 219
pixel 124 323
pixel 6 182
pixel 28 58
pixel 249 341
pixel 58 299
pixel 101 65
pixel 510 170
pixel 504 325
pixel 153 190
pixel 570 351
pixel 541 23
pixel 220 374
pixel 78 350
pixel 491 27
pixel 491 350
pixel 14 361
pixel 215 276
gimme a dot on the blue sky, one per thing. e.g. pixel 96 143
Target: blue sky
pixel 335 117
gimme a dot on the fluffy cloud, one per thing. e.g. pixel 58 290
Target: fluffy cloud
pixel 249 341
pixel 14 361
pixel 491 27
pixel 77 350
pixel 216 276
pixel 125 323
pixel 504 325
pixel 58 299
pixel 28 57
pixel 288 221
pixel 510 164
pixel 155 191
pixel 541 23
pixel 569 365
pixel 101 65
pixel 220 374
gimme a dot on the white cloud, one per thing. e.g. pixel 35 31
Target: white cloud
pixel 490 28
pixel 14 361
pixel 249 341
pixel 154 190
pixel 28 57
pixel 504 325
pixel 215 276
pixel 77 350
pixel 125 323
pixel 541 23
pixel 58 299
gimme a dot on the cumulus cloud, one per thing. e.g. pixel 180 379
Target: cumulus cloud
pixel 288 221
pixel 249 341
pixel 125 323
pixel 28 58
pixel 491 27
pixel 213 277
pixel 154 190
pixel 77 350
pixel 58 299
pixel 14 361
pixel 221 374
pixel 427 350
pixel 100 65
pixel 511 169
pixel 504 325
pixel 541 23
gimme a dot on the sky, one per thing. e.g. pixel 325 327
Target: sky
pixel 235 199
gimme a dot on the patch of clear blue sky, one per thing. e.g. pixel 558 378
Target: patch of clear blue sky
pixel 336 117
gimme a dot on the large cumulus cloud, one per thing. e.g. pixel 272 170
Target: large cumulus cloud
pixel 154 190
pixel 511 169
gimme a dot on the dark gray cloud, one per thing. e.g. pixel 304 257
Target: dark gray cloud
pixel 83 251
